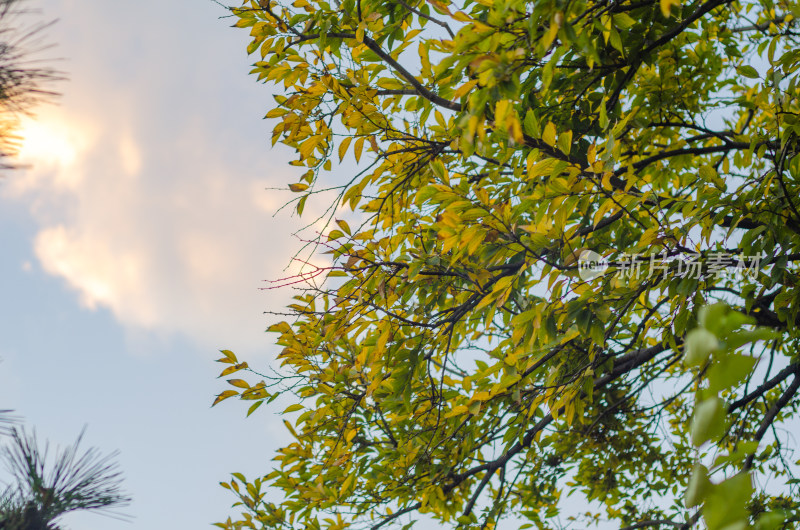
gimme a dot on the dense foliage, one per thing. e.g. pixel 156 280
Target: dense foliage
pixel 461 360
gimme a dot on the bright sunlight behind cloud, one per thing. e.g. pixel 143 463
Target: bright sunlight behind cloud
pixel 169 240
pixel 170 229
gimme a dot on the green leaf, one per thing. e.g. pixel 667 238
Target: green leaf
pixel 708 421
pixel 738 339
pixel 770 520
pixel 699 486
pixel 623 21
pixel 730 371
pixel 710 316
pixel 253 407
pixel 699 344
pixel 747 71
pixel 726 504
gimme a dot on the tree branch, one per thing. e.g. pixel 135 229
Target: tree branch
pixel 772 413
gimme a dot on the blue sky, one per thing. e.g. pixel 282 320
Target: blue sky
pixel 133 250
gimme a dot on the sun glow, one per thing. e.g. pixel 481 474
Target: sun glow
pixel 52 142
pixel 47 142
pixel 53 147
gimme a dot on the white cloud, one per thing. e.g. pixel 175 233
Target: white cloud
pixel 151 190
pixel 129 155
pixel 183 247
pixel 101 274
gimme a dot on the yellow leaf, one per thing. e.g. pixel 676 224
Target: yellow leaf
pixel 501 110
pixel 565 142
pixel 549 134
pixel 343 147
pixel 390 83
pixel 307 147
pixel 244 22
pixel 276 113
pixel 229 370
pixel 591 154
pixel 605 182
pixel 359 145
pixel 280 327
pixel 344 226
pixel 550 36
pixel 440 6
pixel 560 186
pixel 424 57
pixel 348 481
pixel 224 395
pixel 472 126
pixel 514 128
pixel 291 429
pixel 543 167
pixel 481 396
pixel 666 6
pixel 573 256
pixel 605 207
pixel 240 383
pixel 459 409
pixel 464 89
pixel 298 187
pixel 648 236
